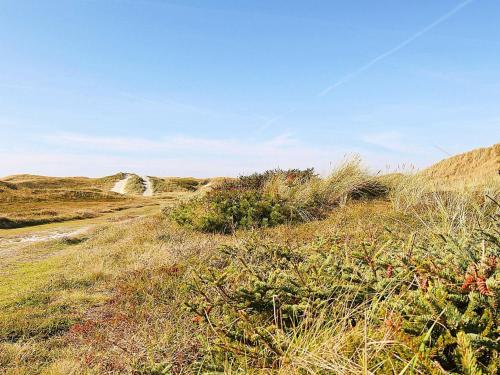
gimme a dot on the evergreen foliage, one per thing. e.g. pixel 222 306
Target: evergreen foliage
pixel 439 295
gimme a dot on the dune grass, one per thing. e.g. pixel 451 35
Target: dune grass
pixel 171 184
pixel 404 282
pixel 135 185
pixel 276 197
pixel 478 167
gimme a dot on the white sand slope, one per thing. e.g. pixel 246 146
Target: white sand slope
pixel 149 187
pixel 120 185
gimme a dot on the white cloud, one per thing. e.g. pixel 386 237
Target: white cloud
pixel 82 154
pixel 392 141
pixel 216 146
pixel 70 154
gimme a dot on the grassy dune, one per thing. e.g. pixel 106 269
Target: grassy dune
pixel 476 167
pixel 401 281
pixel 135 185
pixel 31 200
pixel 171 184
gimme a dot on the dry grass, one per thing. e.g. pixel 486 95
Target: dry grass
pixel 113 301
pixel 26 181
pixel 346 181
pixel 110 303
pixel 476 167
pixel 450 208
pixel 135 185
pixel 171 184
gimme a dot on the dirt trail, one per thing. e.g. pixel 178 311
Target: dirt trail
pixel 42 236
pixel 12 238
pixel 120 185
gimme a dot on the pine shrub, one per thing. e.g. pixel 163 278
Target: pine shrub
pixel 436 296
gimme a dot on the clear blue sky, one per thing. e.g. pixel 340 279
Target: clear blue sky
pixel 222 87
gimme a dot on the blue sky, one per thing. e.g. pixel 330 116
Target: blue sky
pixel 223 87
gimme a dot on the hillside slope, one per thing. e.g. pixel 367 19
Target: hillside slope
pixel 478 166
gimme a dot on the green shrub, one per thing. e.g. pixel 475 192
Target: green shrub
pixel 257 181
pixel 449 310
pixel 439 296
pixel 226 211
pixel 276 197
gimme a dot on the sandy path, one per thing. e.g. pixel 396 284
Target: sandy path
pixel 120 185
pixel 12 242
pixel 149 187
pixel 47 236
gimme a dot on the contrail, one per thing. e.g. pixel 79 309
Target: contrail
pixel 395 49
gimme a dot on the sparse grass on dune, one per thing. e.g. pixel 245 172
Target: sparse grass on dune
pixel 454 207
pixel 349 180
pixel 171 184
pixel 26 181
pixel 135 185
pixel 474 168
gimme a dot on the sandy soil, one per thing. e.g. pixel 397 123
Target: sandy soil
pixel 120 185
pixel 149 187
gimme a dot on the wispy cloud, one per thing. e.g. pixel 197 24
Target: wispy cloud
pixel 392 141
pixel 375 60
pixel 231 146
pixel 396 48
pixel 181 154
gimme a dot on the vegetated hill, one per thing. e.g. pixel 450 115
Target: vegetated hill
pixel 44 182
pixel 31 200
pixel 475 167
pixel 7 185
pixel 135 185
pixel 171 184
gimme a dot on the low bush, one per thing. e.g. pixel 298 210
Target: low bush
pixel 226 211
pixel 171 184
pixel 276 197
pixel 257 181
pixel 428 304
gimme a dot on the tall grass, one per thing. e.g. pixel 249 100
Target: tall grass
pixel 349 180
pixel 448 209
pixel 368 290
